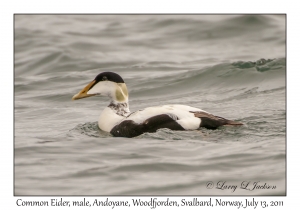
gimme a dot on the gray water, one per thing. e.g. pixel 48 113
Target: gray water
pixel 232 66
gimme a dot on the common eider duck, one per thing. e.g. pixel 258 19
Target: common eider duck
pixel 120 122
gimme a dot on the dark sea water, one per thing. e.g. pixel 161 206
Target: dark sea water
pixel 233 66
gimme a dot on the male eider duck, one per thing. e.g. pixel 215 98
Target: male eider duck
pixel 119 121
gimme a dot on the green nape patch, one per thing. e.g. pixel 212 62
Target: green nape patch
pixel 121 92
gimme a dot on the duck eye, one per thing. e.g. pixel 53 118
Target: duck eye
pixel 104 78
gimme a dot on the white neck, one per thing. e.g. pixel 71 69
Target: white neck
pixel 120 108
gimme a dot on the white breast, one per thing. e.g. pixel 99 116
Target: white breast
pixel 108 119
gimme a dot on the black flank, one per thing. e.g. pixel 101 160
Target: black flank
pixel 129 128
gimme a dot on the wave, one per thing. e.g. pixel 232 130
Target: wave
pixel 264 74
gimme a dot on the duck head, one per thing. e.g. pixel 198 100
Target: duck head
pixel 105 84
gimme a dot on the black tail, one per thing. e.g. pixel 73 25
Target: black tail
pixel 230 122
pixel 212 122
